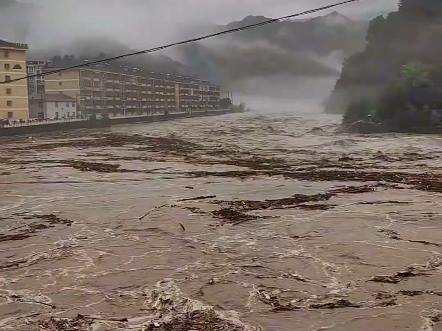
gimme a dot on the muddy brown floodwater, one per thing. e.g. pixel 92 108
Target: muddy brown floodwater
pixel 241 222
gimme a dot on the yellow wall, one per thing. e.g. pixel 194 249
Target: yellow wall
pixel 18 90
pixel 70 83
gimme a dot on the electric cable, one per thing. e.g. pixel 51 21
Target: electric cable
pixel 155 49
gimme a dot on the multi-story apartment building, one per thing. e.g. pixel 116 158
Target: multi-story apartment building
pixel 13 95
pixel 36 85
pixel 198 94
pixel 130 91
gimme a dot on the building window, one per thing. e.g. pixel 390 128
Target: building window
pixel 60 83
pixel 7 66
pixel 7 78
pixel 56 105
pixel 10 114
pixel 8 91
pixel 6 53
pixel 73 104
pixel 17 67
pixel 67 114
pixel 67 104
pixel 9 103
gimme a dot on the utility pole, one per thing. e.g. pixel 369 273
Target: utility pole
pixel 165 97
pixel 123 95
pixel 41 107
pixel 77 104
pixel 207 102
pixel 104 111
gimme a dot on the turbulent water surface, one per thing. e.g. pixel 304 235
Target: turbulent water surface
pixel 240 222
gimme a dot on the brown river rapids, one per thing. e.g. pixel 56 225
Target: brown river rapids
pixel 255 221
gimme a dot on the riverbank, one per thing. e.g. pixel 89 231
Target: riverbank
pixel 366 127
pixel 66 125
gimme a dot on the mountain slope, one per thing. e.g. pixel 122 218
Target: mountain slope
pixel 409 35
pixel 321 35
pixel 314 47
pixel 106 47
pixel 229 62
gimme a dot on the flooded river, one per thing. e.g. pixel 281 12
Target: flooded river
pixel 255 221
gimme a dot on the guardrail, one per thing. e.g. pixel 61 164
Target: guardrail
pixel 17 124
pixel 42 122
pixel 112 116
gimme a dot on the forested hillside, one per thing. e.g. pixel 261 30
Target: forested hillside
pixel 410 35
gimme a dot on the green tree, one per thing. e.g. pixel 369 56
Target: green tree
pixel 421 8
pixel 391 102
pixel 375 28
pixel 415 74
pixel 356 111
pixel 101 56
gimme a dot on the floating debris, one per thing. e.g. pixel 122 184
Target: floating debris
pixel 94 166
pixel 176 312
pixel 79 323
pixel 234 217
pixel 335 304
pixel 414 271
pixel 27 230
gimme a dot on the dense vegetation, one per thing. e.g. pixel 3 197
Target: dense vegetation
pixel 400 71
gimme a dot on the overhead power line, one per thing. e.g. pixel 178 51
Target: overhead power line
pixel 151 50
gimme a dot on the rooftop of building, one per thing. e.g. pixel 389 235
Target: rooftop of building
pixel 8 44
pixel 139 73
pixel 39 63
pixel 52 97
pixel 113 67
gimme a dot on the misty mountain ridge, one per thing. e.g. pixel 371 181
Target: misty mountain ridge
pixel 94 47
pixel 322 35
pixel 315 47
pixel 333 18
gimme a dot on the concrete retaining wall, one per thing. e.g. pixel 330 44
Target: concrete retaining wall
pixel 52 127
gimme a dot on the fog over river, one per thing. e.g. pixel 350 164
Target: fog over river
pixel 267 219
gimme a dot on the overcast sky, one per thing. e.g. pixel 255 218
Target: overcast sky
pixel 234 9
pixel 149 23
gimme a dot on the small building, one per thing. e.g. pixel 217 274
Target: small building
pixel 52 106
pixel 14 93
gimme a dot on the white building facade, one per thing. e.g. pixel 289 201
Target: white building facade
pixel 52 106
